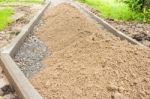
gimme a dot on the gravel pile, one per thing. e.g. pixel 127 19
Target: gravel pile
pixel 88 62
pixel 30 54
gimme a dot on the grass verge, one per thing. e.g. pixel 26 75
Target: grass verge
pixel 5 17
pixel 113 9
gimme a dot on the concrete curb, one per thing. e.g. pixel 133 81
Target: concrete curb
pixel 16 77
pixel 108 26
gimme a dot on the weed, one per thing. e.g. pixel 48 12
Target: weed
pixel 114 9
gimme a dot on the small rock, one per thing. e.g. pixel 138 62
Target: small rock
pixel 9 96
pixel 112 88
pixel 121 89
pixel 118 95
pixel 7 89
pixel 139 37
pixel 139 25
pixel 18 16
pixel 110 19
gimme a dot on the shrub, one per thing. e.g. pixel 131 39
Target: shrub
pixel 140 6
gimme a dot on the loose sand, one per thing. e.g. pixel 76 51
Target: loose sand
pixel 88 62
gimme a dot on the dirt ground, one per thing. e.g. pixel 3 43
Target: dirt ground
pixel 88 62
pixel 136 30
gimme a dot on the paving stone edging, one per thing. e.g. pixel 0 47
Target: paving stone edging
pixel 21 84
pixel 107 25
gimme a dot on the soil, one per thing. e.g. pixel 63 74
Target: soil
pixel 136 30
pixel 88 62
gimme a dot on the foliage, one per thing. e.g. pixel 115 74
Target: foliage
pixel 5 18
pixel 121 9
pixel 140 6
pixel 113 9
pixel 6 13
pixel 135 5
pixel 146 15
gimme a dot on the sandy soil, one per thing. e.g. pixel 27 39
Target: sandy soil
pixel 88 62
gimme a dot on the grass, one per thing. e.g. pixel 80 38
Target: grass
pixel 113 9
pixel 5 17
pixel 6 12
pixel 26 1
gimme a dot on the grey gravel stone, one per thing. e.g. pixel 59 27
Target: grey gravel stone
pixel 30 55
pixel 9 96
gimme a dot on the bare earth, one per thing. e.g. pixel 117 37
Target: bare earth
pixel 88 62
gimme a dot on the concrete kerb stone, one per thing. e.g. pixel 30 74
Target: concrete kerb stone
pixel 16 77
pixel 107 25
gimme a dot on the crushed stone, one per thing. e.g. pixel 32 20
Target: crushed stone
pixel 30 54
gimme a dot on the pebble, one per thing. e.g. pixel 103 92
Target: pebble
pixel 30 54
pixel 7 89
pixel 118 95
pixel 112 88
pixel 9 96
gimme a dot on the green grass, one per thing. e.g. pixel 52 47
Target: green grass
pixel 113 9
pixel 6 12
pixel 27 1
pixel 5 17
